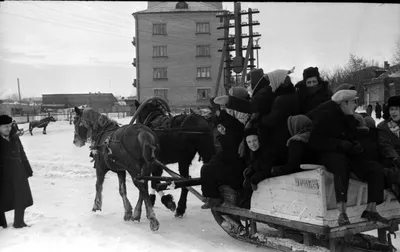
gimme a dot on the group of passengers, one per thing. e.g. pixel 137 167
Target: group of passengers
pixel 273 127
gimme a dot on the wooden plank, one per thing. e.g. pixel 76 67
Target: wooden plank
pixel 322 230
pixel 174 174
pixel 359 228
pixel 307 239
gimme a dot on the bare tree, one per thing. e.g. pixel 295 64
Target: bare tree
pixel 396 56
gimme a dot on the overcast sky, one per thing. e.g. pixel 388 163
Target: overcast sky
pixel 75 47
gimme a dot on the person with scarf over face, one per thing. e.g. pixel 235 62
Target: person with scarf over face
pixel 312 90
pixel 226 167
pixel 389 135
pixel 15 193
pixel 334 139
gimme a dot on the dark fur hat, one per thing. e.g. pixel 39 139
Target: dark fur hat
pixel 250 132
pixel 5 119
pixel 311 72
pixel 394 101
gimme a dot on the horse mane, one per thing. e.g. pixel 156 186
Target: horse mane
pixel 97 121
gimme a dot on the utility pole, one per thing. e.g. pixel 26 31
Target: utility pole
pixel 19 91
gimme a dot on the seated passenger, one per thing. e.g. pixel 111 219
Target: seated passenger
pixel 312 90
pixel 226 167
pixel 334 139
pixel 299 153
pixel 323 107
pixel 389 135
pixel 257 167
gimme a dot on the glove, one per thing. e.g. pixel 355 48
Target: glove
pixel 247 172
pixel 357 148
pixel 277 171
pixel 254 187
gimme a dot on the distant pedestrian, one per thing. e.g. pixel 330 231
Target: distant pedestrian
pixel 378 111
pixel 15 192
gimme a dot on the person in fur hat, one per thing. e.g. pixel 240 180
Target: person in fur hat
pixel 226 167
pixel 389 135
pixel 334 138
pixel 15 192
pixel 312 89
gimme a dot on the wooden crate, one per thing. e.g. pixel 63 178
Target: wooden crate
pixel 309 197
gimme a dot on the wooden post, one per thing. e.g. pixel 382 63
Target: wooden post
pixel 253 227
pixel 382 235
pixel 281 232
pixel 307 239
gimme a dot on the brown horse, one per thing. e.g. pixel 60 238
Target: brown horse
pixel 129 148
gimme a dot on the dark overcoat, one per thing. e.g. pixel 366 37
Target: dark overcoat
pixel 15 170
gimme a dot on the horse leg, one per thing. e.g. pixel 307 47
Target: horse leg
pixel 44 130
pixel 100 175
pixel 137 213
pixel 143 189
pixel 167 200
pixel 30 129
pixel 122 192
pixel 184 172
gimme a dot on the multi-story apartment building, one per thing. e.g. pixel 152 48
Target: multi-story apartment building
pixel 177 54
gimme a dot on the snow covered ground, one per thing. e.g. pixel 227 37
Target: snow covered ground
pixel 63 187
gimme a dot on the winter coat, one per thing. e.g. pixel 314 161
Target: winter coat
pixel 15 170
pixel 228 158
pixel 321 109
pixel 309 98
pixel 389 143
pixel 276 131
pixel 370 142
pixel 331 128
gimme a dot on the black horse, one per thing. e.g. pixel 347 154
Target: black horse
pixel 129 148
pixel 180 138
pixel 41 124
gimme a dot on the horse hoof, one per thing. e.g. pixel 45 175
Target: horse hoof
pixel 154 225
pixel 128 216
pixel 135 219
pixel 94 209
pixel 168 202
pixel 178 215
pixel 179 212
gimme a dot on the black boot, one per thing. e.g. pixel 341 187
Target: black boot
pixel 3 221
pixel 19 218
pixel 374 216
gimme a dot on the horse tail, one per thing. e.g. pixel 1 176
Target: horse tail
pixel 149 146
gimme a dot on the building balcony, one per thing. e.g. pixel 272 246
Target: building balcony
pixel 134 83
pixel 134 41
pixel 134 62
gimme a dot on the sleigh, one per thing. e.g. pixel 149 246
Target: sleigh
pixel 300 214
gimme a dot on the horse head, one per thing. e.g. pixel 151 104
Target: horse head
pixel 81 131
pixel 52 119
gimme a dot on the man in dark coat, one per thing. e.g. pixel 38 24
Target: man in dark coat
pixel 15 193
pixel 312 90
pixel 334 138
pixel 226 167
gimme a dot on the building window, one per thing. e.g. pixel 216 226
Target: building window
pixel 161 92
pixel 159 29
pixel 203 28
pixel 203 51
pixel 181 5
pixel 203 94
pixel 159 51
pixel 203 72
pixel 159 73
